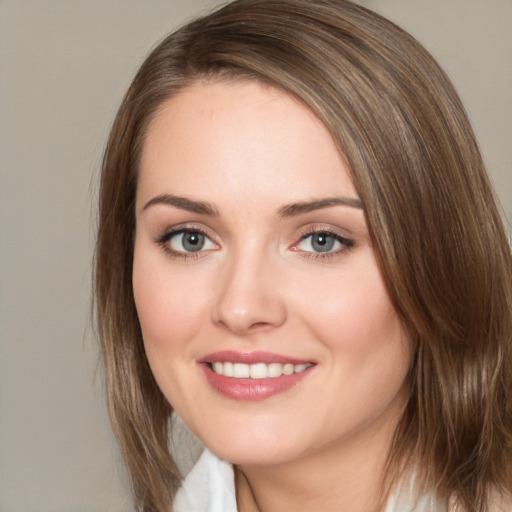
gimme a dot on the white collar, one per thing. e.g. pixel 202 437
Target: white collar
pixel 210 487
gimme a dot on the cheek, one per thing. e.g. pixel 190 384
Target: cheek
pixel 353 305
pixel 170 314
pixel 354 319
pixel 367 357
pixel 168 305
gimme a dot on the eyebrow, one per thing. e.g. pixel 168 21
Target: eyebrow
pixel 294 209
pixel 290 210
pixel 183 203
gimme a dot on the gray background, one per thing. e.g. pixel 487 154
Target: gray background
pixel 63 68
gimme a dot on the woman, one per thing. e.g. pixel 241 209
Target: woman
pixel 300 253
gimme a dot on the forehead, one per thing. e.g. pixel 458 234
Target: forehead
pixel 240 137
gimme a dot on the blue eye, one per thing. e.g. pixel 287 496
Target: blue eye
pixel 322 242
pixel 186 241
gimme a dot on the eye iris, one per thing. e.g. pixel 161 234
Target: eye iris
pixel 322 242
pixel 193 241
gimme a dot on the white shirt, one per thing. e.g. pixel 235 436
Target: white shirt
pixel 210 487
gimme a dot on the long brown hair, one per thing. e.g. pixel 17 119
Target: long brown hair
pixel 432 215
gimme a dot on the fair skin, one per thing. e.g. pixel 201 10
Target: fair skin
pixel 252 247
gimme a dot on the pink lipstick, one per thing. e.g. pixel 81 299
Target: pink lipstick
pixel 253 375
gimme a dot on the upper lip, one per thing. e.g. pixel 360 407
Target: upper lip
pixel 232 356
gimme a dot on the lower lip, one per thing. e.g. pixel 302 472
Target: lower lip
pixel 252 389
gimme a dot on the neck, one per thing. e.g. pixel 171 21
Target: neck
pixel 347 475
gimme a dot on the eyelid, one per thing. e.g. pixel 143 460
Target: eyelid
pixel 167 234
pixel 347 243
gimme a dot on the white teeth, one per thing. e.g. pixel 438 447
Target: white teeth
pixel 227 369
pixel 274 370
pixel 288 369
pixel 257 370
pixel 241 371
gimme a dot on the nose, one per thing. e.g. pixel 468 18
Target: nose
pixel 247 298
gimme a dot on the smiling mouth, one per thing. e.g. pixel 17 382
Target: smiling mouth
pixel 257 370
pixel 253 376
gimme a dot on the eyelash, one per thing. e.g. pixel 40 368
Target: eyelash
pixel 346 243
pixel 166 237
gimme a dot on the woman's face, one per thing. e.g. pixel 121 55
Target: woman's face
pixel 265 318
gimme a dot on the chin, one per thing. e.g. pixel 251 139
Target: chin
pixel 252 454
pixel 245 447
